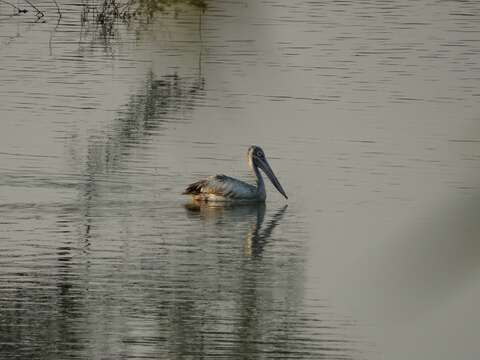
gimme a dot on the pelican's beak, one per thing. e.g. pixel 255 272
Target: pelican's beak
pixel 263 164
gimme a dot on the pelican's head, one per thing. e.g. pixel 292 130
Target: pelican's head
pixel 257 158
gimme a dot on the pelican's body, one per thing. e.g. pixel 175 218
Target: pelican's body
pixel 225 188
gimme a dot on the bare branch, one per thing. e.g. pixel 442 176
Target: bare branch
pixel 40 13
pixel 58 9
pixel 15 7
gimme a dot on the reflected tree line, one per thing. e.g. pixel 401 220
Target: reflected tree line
pixel 41 317
pixel 141 118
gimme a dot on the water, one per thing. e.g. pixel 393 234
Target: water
pixel 369 113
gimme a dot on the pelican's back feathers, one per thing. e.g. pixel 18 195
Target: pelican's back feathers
pixel 195 188
pixel 221 188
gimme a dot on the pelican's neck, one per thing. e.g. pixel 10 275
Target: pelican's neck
pixel 260 183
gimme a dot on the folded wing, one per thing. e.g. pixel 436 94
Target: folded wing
pixel 221 187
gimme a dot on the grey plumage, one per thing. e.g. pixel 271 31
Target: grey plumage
pixel 221 186
pixel 226 188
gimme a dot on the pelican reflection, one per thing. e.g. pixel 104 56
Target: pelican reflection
pixel 228 215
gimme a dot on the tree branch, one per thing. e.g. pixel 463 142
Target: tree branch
pixel 39 13
pixel 58 9
pixel 15 7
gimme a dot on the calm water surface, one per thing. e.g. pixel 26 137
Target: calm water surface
pixel 369 112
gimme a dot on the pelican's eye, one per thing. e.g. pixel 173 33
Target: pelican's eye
pixel 259 154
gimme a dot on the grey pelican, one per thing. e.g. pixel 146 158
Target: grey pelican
pixel 224 188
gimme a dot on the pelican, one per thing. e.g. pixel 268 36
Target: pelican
pixel 222 188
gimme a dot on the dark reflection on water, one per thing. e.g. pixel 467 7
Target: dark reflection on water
pixel 41 294
pixel 258 235
pixel 142 118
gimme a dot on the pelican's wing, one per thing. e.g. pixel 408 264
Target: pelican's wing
pixel 221 185
pixel 195 188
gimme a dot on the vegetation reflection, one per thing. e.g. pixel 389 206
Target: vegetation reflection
pixel 107 12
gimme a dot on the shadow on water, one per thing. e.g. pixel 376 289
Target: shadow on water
pixel 257 237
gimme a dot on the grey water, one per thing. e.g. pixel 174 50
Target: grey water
pixel 369 112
